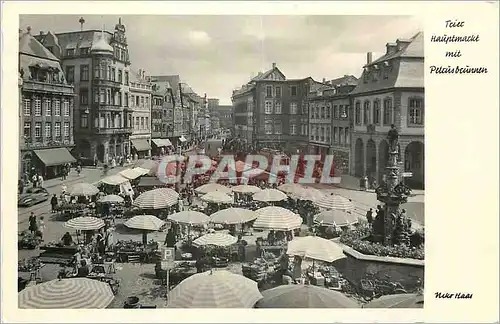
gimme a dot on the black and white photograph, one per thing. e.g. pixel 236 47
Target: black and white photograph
pixel 221 161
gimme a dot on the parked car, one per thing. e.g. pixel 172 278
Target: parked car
pixel 32 196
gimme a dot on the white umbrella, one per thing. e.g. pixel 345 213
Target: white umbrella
pixel 217 239
pixel 132 174
pixel 83 189
pixel 290 188
pixel 145 222
pixel 71 293
pixel 217 197
pixel 211 187
pixel 310 194
pixel 189 217
pixel 316 248
pixel 336 217
pixel 269 195
pixel 233 216
pixel 85 223
pixel 214 289
pixel 246 189
pixel 113 199
pixel 114 180
pixel 333 201
pixel 157 199
pixel 277 218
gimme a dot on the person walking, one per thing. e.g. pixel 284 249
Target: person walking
pixel 34 180
pixel 369 216
pixel 33 225
pixel 41 228
pixel 40 181
pixel 53 203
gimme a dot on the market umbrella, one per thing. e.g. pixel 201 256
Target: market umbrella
pixel 111 199
pixel 217 239
pixel 114 180
pixel 83 189
pixel 335 217
pixel 247 189
pixel 71 293
pixel 305 193
pixel 189 217
pixel 233 216
pixel 150 165
pixel 397 301
pixel 157 199
pixel 316 248
pixel 277 218
pixel 217 197
pixel 333 201
pixel 132 174
pixel 145 222
pixel 214 289
pixel 85 223
pixel 304 296
pixel 269 195
pixel 290 188
pixel 211 187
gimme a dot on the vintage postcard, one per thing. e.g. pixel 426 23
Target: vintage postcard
pixel 259 161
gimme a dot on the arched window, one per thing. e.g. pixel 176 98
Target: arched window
pixel 366 112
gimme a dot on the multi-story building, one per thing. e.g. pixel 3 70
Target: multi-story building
pixel 390 91
pixel 320 120
pixel 225 116
pixel 193 109
pixel 140 105
pixel 271 111
pixel 97 64
pixel 46 111
pixel 215 121
pixel 213 104
pixel 158 118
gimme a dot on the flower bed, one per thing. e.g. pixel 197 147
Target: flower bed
pixel 358 239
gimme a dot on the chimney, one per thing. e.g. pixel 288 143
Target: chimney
pixel 324 80
pixel 368 57
pixel 390 48
pixel 274 65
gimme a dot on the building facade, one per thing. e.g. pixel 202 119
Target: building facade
pixel 390 91
pixel 225 116
pixel 140 105
pixel 46 111
pixel 97 64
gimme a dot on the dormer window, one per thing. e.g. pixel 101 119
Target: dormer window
pixel 84 51
pixel 70 52
pixel 375 67
pixel 386 64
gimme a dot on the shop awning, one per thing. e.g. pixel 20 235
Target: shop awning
pixel 182 138
pixel 141 144
pixel 161 142
pixel 55 156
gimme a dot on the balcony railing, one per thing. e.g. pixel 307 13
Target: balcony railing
pixel 112 131
pixel 48 87
pixel 106 83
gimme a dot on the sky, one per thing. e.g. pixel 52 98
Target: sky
pixel 217 54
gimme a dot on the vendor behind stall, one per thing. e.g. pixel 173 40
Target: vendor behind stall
pixel 67 239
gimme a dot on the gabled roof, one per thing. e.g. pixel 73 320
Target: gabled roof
pixel 31 46
pixel 265 75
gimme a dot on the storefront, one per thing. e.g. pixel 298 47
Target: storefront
pixel 50 162
pixel 141 147
pixel 161 146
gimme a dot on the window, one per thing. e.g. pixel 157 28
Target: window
pixel 84 121
pixel 316 112
pixel 38 130
pixel 66 107
pixel 335 133
pixel 304 108
pixel 322 112
pixel 142 102
pixel 416 108
pixel 312 132
pixel 277 127
pixel 96 71
pixel 84 72
pixel 268 127
pixel 357 113
pixel 293 90
pixel 48 130
pixel 58 130
pixel 38 107
pixel 27 107
pixel 70 74
pixel 47 107
pixel 142 122
pixel 126 99
pixel 119 98
pixel 277 107
pixel 343 111
pixel 269 91
pixel 278 92
pixel 268 107
pixel 293 129
pixel 387 111
pixel 347 139
pixel 328 135
pixel 137 101
pixel 70 52
pixel 84 51
pixel 84 96
pixel 335 112
pixel 293 108
pixel 66 130
pixel 57 107
pixel 136 122
pixel 328 111
pixel 376 112
pixel 366 112
pixel 126 77
pixel 27 130
pixel 102 96
pixel 322 133
pixel 146 119
pixel 120 76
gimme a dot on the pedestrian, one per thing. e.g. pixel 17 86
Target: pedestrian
pixel 34 179
pixel 33 224
pixel 53 203
pixel 78 169
pixel 41 228
pixel 369 216
pixel 64 189
pixel 40 181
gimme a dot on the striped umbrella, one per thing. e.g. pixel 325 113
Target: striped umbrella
pixel 316 248
pixel 85 223
pixel 246 189
pixel 145 222
pixel 111 199
pixel 214 289
pixel 269 195
pixel 277 218
pixel 70 293
pixel 233 216
pixel 310 194
pixel 217 197
pixel 157 199
pixel 217 239
pixel 333 201
pixel 397 301
pixel 83 189
pixel 304 296
pixel 335 217
pixel 211 187
pixel 189 217
pixel 290 188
